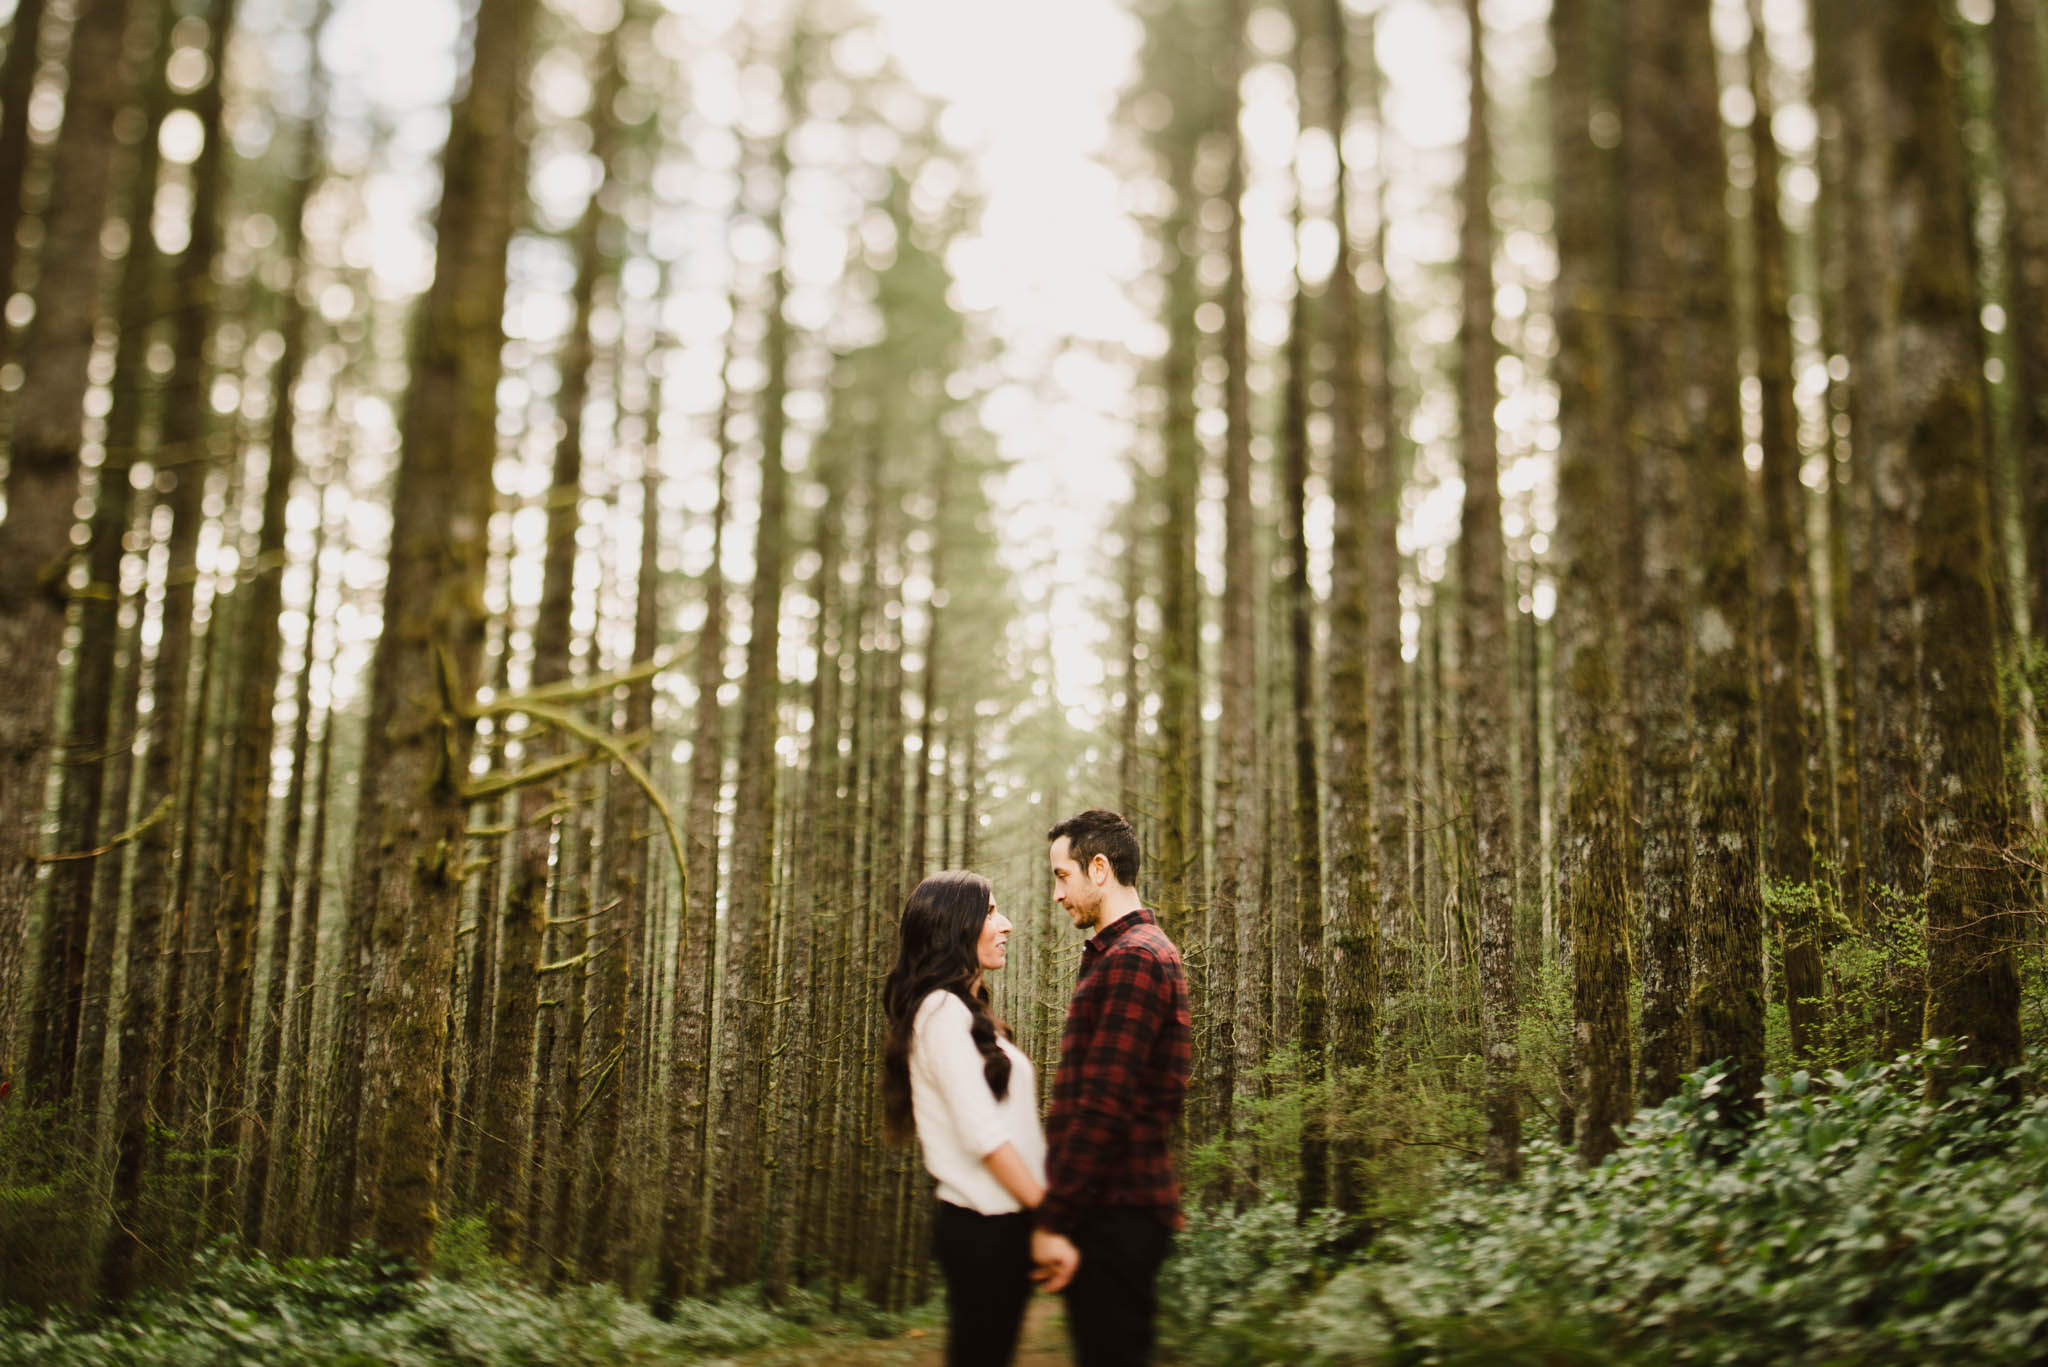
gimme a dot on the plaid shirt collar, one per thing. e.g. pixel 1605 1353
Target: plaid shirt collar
pixel 1101 940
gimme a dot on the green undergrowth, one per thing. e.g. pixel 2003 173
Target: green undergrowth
pixel 243 1310
pixel 1892 1214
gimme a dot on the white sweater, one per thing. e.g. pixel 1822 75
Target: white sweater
pixel 959 1120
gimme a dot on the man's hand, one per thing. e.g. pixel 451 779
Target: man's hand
pixel 1055 1259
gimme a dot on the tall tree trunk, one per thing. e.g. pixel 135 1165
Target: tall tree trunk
pixel 294 947
pixel 605 1252
pixel 1236 995
pixel 1654 123
pixel 1354 940
pixel 1312 65
pixel 1593 842
pixel 17 83
pixel 798 1093
pixel 743 1055
pixel 1897 853
pixel 145 1069
pixel 1726 928
pixel 680 1269
pixel 1789 865
pixel 1972 891
pixel 423 674
pixel 1832 211
pixel 1393 867
pixel 1180 594
pixel 260 650
pixel 301 1121
pixel 1483 650
pixel 35 540
pixel 110 872
pixel 2022 119
pixel 82 773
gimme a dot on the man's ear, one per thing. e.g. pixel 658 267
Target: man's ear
pixel 1101 861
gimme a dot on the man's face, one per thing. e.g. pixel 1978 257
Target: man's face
pixel 1075 888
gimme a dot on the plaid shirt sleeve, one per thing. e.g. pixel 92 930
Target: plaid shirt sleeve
pixel 1109 1061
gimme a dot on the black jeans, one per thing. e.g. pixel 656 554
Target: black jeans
pixel 1114 1297
pixel 986 1260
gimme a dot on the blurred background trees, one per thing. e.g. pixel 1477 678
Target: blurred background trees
pixel 1560 600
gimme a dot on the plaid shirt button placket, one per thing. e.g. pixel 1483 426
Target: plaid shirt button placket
pixel 1124 1060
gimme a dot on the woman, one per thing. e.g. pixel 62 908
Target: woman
pixel 948 1066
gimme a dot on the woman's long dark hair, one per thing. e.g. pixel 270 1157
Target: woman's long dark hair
pixel 937 950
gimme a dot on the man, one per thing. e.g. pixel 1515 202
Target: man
pixel 1112 1201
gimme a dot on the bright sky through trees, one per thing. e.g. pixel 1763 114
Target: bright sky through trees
pixel 1053 269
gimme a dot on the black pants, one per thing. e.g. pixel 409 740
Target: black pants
pixel 986 1260
pixel 1114 1297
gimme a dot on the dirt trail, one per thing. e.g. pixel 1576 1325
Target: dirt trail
pixel 1043 1344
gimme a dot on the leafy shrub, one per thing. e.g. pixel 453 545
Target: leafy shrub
pixel 368 1309
pixel 1894 1214
pixel 1234 1278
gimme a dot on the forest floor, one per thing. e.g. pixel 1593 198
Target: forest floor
pixel 1043 1344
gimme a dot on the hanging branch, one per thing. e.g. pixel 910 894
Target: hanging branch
pixel 163 809
pixel 599 739
pixel 491 785
pixel 544 705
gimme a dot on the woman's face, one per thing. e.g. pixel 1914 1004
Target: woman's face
pixel 994 947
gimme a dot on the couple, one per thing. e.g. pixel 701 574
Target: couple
pixel 1090 1201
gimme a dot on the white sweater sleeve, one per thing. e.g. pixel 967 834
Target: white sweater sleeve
pixel 942 1048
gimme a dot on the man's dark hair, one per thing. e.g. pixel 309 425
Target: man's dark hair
pixel 1101 831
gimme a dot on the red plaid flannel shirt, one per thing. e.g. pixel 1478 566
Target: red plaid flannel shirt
pixel 1124 1059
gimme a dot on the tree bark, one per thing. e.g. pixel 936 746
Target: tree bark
pixel 1789 865
pixel 1236 999
pixel 35 540
pixel 1897 851
pixel 2021 112
pixel 17 84
pixel 1312 64
pixel 1655 131
pixel 680 1270
pixel 261 650
pixel 423 674
pixel 70 902
pixel 744 1021
pixel 1483 650
pixel 1593 842
pixel 1726 928
pixel 1974 901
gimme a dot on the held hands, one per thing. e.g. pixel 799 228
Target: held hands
pixel 1054 1259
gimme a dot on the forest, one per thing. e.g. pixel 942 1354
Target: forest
pixel 530 525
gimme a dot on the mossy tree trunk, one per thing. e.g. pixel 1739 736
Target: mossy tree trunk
pixel 1593 844
pixel 680 1262
pixel 35 540
pixel 1236 997
pixel 1974 901
pixel 1312 70
pixel 1354 959
pixel 82 809
pixel 1657 432
pixel 411 831
pixel 1897 851
pixel 1726 925
pixel 2022 120
pixel 1483 647
pixel 742 1056
pixel 1788 823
